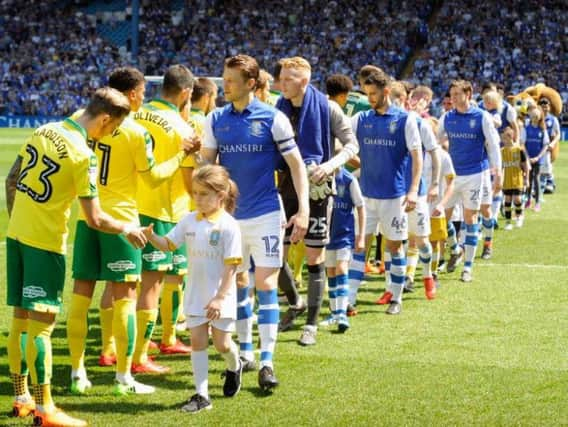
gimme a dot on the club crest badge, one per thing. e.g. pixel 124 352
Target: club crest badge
pixel 392 126
pixel 472 123
pixel 256 128
pixel 214 237
pixel 340 190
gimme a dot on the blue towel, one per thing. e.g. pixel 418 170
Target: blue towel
pixel 313 131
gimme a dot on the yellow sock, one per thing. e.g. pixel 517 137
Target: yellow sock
pixel 77 328
pixel 299 254
pixel 169 305
pixel 145 322
pixel 38 353
pixel 107 337
pixel 181 314
pixel 16 346
pixel 411 261
pixel 124 327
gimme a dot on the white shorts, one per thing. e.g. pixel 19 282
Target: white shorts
pixel 419 218
pixel 467 190
pixel 457 213
pixel 390 214
pixel 225 325
pixel 333 256
pixel 546 166
pixel 262 239
pixel 486 188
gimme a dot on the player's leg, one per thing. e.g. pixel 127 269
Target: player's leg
pixel 507 209
pixel 86 271
pixel 43 302
pixel 23 404
pixel 342 288
pixel 108 350
pixel 330 262
pixel 518 202
pixel 155 263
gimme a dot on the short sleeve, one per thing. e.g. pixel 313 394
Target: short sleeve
pixel 283 134
pixel 144 152
pixel 411 134
pixel 177 234
pixel 232 251
pixel 209 140
pixel 85 175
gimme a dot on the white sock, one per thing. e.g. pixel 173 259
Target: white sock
pixel 200 364
pixel 232 357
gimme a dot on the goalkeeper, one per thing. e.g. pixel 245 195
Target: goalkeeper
pixel 317 122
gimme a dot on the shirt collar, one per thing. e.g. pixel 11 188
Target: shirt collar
pixel 392 110
pixel 249 108
pixel 76 126
pixel 166 103
pixel 213 218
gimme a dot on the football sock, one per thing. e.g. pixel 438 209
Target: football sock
pixel 397 269
pixel 411 262
pixel 232 357
pixel 145 322
pixel 472 231
pixel 77 328
pixel 124 327
pixel 17 338
pixel 488 226
pixel 425 259
pixel 38 354
pixel 342 294
pixel 356 274
pixel 107 337
pixel 200 365
pixel 244 322
pixel 332 293
pixel 286 284
pixel 169 311
pixel 316 286
pixel 268 317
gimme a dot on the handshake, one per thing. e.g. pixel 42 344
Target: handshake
pixel 320 181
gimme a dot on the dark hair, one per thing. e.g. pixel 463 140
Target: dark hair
pixel 463 85
pixel 125 79
pixel 203 86
pixel 108 101
pixel 379 79
pixel 367 70
pixel 177 78
pixel 338 84
pixel 277 70
pixel 246 64
pixel 488 86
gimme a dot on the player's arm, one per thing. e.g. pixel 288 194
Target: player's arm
pixel 431 145
pixel 545 144
pixel 359 203
pixel 513 122
pixel 228 275
pixel 162 243
pixel 555 137
pixel 414 146
pixel 11 182
pixel 442 136
pixel 99 220
pixel 209 149
pixel 525 167
pixel 283 136
pixel 341 129
pixel 491 137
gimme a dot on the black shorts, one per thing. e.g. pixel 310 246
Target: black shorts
pixel 317 235
pixel 513 192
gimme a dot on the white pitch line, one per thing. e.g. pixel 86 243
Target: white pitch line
pixel 545 266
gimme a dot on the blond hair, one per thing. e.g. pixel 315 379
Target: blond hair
pixel 398 91
pixel 494 97
pixel 107 100
pixel 297 63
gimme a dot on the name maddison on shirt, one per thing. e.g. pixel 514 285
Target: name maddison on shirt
pixel 241 148
pixel 379 141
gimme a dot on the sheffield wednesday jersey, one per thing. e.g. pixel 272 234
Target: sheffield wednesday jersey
pixel 249 144
pixel 57 166
pixel 467 133
pixel 385 142
pixel 534 138
pixel 348 196
pixel 169 201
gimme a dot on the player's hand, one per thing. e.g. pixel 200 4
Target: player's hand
pixel 191 145
pixel 359 243
pixel 433 193
pixel 497 183
pixel 534 160
pixel 409 201
pixel 319 173
pixel 214 308
pixel 136 237
pixel 299 222
pixel 148 231
pixel 438 210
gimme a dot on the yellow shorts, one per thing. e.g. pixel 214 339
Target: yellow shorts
pixel 439 229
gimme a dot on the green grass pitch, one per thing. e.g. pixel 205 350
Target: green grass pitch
pixel 490 353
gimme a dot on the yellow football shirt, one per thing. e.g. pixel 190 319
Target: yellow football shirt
pixel 169 201
pixel 57 166
pixel 120 157
pixel 513 174
pixel 197 121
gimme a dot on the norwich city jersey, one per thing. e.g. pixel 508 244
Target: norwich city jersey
pixel 512 156
pixel 169 201
pixel 57 166
pixel 120 157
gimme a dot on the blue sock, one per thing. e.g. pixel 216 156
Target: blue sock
pixel 268 317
